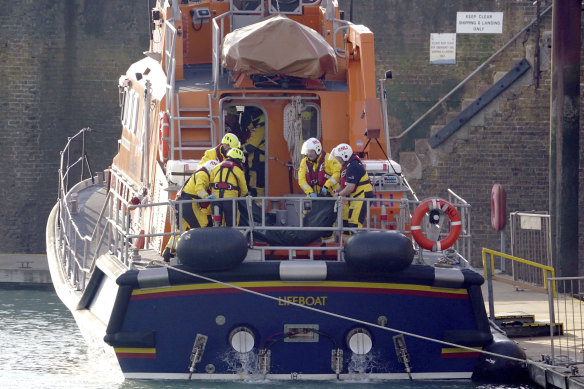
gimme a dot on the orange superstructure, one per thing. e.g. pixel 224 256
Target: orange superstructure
pixel 190 80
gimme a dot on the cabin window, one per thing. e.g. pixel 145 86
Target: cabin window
pixel 286 6
pixel 134 113
pixel 130 106
pixel 125 103
pixel 247 5
pixel 310 122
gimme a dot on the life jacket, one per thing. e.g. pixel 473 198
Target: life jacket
pixel 364 185
pixel 316 176
pixel 224 183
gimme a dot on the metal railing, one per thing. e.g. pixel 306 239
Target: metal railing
pixel 118 227
pixel 546 272
pixel 567 307
pixel 538 273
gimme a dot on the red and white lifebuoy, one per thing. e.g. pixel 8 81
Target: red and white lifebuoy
pixel 442 206
pixel 164 137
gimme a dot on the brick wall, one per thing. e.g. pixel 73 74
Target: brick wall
pixel 59 66
pixel 507 144
pixel 60 62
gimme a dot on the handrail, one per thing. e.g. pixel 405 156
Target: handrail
pixel 218 32
pixel 339 25
pixel 116 227
pixel 545 269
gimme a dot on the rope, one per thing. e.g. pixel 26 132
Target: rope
pixel 293 130
pixel 389 329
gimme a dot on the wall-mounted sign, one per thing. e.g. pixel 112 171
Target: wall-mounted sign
pixel 442 49
pixel 479 22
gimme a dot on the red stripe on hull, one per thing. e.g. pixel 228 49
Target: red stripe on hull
pixel 460 355
pixel 303 290
pixel 136 355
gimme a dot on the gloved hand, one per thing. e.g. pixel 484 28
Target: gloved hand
pixel 324 192
pixel 211 197
pixel 312 194
pixel 167 254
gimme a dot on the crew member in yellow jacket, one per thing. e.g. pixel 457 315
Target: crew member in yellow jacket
pixel 219 153
pixel 228 181
pixel 194 215
pixel 317 175
pixel 354 184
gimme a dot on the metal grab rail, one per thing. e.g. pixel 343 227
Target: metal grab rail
pixel 547 271
pixel 489 269
pixel 79 251
pixel 118 222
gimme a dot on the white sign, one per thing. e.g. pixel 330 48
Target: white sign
pixel 479 22
pixel 529 222
pixel 442 49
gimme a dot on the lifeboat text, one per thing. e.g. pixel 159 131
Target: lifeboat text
pixel 309 300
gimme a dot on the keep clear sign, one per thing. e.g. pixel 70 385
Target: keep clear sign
pixel 442 49
pixel 479 22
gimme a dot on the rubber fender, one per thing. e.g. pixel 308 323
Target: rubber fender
pixel 498 369
pixel 498 207
pixel 211 249
pixel 378 251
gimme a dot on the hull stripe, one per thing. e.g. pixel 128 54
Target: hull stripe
pixel 330 287
pixel 135 352
pixel 453 352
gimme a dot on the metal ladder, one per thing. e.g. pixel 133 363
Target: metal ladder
pixel 194 129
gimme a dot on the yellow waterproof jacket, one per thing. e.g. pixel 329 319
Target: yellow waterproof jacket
pixel 228 180
pixel 324 172
pixel 256 145
pixel 198 184
pixel 214 154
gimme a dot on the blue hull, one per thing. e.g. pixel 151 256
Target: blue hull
pixel 153 328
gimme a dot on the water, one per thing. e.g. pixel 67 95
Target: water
pixel 41 347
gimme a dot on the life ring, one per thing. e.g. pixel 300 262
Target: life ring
pixel 164 135
pixel 455 224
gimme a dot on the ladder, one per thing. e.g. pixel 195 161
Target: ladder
pixel 192 130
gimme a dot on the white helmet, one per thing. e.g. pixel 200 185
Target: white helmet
pixel 209 165
pixel 311 144
pixel 343 151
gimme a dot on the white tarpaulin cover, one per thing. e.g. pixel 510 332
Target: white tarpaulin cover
pixel 278 45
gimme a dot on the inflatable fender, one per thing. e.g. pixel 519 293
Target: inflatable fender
pixel 498 207
pixel 498 369
pixel 384 251
pixel 211 249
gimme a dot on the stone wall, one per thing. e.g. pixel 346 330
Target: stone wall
pixel 59 66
